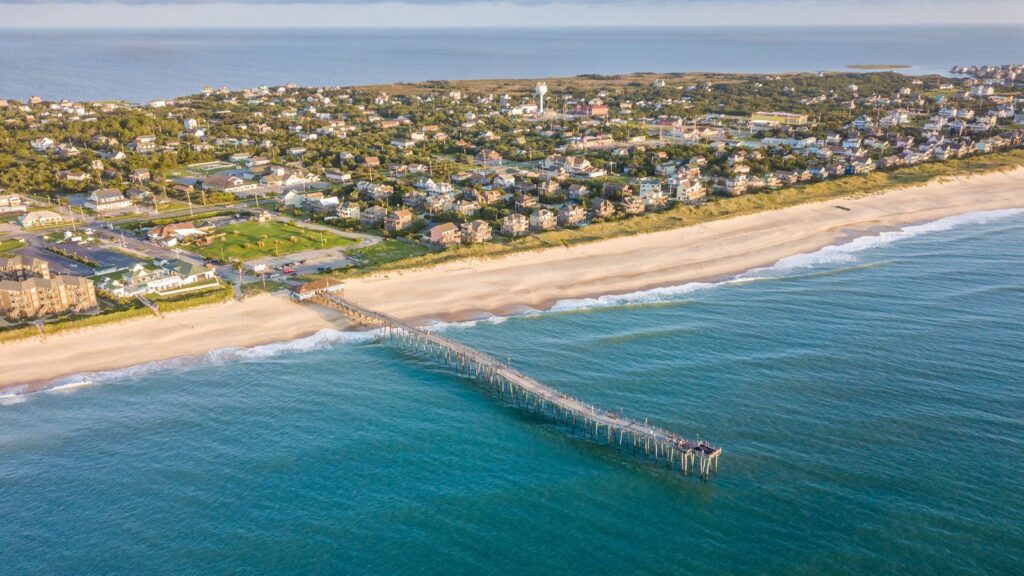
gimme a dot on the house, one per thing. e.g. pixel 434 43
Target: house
pixel 173 234
pixel 488 156
pixel 338 177
pixel 144 144
pixel 687 190
pixel 11 204
pixel 446 234
pixel 65 150
pixel 652 193
pixel 42 144
pixel 288 177
pixel 373 216
pixel 549 188
pixel 571 215
pixel 543 219
pixel 311 289
pixel 320 204
pixel 476 231
pixel 348 211
pixel 514 225
pixel 107 200
pixel 139 175
pixel 632 205
pixel 228 183
pixel 603 208
pixel 371 162
pixel 190 274
pixel 524 201
pixel 398 220
pixel 76 176
pixel 736 186
pixel 39 218
pixel 578 192
pixel 466 207
pixel 170 277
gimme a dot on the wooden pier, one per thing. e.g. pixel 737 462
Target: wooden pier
pixel 601 426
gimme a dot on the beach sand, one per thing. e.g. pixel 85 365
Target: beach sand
pixel 715 250
pixel 469 289
pixel 255 321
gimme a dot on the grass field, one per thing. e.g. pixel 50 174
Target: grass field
pixel 249 240
pixel 386 251
pixel 8 244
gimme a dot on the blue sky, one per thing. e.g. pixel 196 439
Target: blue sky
pixel 484 13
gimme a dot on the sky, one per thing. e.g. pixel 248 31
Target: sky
pixel 504 13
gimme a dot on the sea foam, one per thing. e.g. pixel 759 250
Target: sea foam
pixel 322 339
pixel 844 253
pixel 835 254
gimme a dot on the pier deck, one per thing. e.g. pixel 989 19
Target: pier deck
pixel 602 426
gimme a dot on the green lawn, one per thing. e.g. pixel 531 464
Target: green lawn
pixel 249 240
pixel 8 244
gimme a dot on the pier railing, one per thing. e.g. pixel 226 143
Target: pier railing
pixel 601 426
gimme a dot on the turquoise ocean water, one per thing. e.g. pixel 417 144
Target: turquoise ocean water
pixel 869 398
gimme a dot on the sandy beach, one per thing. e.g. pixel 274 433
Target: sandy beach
pixel 258 320
pixel 469 289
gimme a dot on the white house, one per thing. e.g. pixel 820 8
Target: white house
pixel 107 200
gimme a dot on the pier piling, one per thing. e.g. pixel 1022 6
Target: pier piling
pixel 526 392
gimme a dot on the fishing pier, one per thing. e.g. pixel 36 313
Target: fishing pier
pixel 582 419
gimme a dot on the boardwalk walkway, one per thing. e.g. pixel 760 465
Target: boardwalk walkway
pixel 602 426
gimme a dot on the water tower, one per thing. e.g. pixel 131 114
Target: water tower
pixel 542 89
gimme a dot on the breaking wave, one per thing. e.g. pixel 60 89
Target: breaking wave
pixel 320 340
pixel 835 254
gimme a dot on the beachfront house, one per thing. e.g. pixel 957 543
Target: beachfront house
pixel 514 225
pixel 446 234
pixel 397 220
pixel 476 231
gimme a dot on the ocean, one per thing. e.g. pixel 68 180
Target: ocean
pixel 869 398
pixel 156 64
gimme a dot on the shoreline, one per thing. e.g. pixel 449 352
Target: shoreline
pixel 470 289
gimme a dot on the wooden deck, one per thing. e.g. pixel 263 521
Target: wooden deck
pixel 601 426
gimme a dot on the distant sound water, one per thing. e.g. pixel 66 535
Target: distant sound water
pixel 143 65
pixel 869 397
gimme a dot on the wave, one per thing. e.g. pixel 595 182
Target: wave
pixel 845 253
pixel 834 254
pixel 322 339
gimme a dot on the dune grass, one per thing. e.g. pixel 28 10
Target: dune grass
pixel 716 209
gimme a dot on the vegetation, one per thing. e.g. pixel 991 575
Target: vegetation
pixel 262 287
pixel 126 310
pixel 249 240
pixel 10 244
pixel 680 216
pixel 386 252
pixel 877 66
